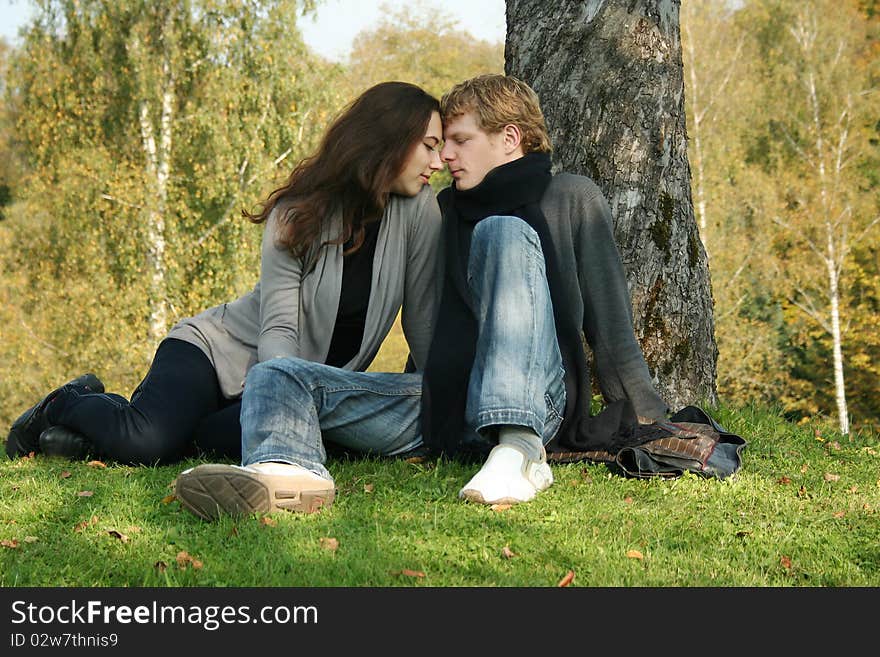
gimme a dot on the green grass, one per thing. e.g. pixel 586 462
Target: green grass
pixel 803 511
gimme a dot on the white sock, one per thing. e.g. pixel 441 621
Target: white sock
pixel 523 438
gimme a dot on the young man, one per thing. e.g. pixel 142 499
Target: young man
pixel 530 266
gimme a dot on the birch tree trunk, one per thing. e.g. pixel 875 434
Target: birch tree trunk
pixel 837 349
pixel 610 80
pixel 712 64
pixel 157 168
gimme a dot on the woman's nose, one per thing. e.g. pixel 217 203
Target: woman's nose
pixel 436 162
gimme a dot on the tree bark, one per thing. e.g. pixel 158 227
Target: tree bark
pixel 157 165
pixel 610 79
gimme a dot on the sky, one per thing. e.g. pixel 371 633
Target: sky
pixel 331 31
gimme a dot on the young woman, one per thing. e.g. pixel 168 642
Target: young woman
pixel 349 241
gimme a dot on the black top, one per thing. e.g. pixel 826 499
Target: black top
pixel 351 318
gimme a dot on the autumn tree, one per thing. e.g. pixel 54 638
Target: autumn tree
pixel 610 80
pixel 817 136
pixel 147 127
pixel 723 99
pixel 9 166
pixel 714 73
pixel 422 46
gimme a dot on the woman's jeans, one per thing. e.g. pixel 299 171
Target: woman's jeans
pixel 177 407
pixel 291 406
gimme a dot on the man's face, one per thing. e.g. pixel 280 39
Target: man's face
pixel 471 153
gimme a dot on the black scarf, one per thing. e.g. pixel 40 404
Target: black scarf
pixel 513 189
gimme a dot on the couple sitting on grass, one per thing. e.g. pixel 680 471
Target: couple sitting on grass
pixel 498 279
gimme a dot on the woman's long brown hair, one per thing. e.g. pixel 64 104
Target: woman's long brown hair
pixel 359 157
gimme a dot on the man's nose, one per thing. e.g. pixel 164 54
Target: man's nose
pixel 446 153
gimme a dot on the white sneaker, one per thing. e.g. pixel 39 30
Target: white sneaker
pixel 508 476
pixel 211 490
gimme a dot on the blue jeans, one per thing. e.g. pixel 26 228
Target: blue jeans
pixel 291 406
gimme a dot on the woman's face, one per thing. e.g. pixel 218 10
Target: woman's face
pixel 423 160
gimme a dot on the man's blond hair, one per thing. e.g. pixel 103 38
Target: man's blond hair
pixel 496 101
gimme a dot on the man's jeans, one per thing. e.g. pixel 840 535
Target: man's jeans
pixel 291 406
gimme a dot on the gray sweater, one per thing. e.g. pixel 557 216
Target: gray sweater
pixel 292 313
pixel 580 223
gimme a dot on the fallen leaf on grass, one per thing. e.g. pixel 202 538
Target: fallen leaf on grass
pixel 830 477
pixel 783 480
pixel 871 451
pixel 12 544
pixel 30 539
pixel 628 500
pixel 161 566
pixel 507 553
pixel 786 562
pixel 567 579
pixel 802 491
pixel 415 459
pixel 133 529
pixel 118 534
pixel 184 559
pixel 168 499
pixel 805 467
pixel 267 521
pixel 409 573
pixel 368 488
pixel 742 533
pixel 634 554
pixel 233 531
pixel 839 514
pixel 65 474
pixel 78 527
pixel 835 446
pixel 854 489
pixel 500 507
pixel 85 493
pixel 328 543
pixel 96 464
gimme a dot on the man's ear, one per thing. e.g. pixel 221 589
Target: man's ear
pixel 512 138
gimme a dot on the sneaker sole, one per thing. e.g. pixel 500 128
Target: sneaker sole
pixel 210 491
pixel 470 495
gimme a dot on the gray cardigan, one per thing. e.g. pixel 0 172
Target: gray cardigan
pixel 289 313
pixel 580 224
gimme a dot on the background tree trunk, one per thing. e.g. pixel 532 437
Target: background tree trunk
pixel 610 80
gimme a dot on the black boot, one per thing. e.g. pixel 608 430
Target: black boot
pixel 61 441
pixel 24 435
